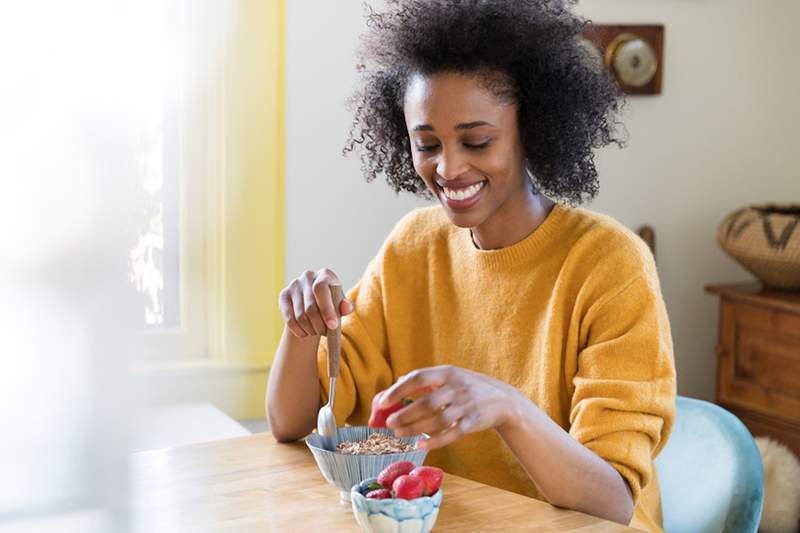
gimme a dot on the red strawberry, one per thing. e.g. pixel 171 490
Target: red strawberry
pixel 379 494
pixel 393 471
pixel 408 487
pixel 378 416
pixel 431 476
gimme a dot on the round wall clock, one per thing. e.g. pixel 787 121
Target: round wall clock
pixel 633 60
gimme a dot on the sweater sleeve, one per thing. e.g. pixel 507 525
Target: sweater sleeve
pixel 623 404
pixel 363 368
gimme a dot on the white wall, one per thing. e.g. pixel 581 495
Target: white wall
pixel 722 134
pixel 333 217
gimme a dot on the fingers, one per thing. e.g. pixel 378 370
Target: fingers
pixel 325 278
pixel 430 405
pixel 450 407
pixel 346 307
pixel 298 306
pixel 425 379
pixel 307 306
pixel 287 311
pixel 433 422
pixel 458 429
pixel 321 289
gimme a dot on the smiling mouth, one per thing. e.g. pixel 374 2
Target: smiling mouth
pixel 464 193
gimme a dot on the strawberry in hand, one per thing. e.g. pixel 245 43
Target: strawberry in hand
pixel 378 416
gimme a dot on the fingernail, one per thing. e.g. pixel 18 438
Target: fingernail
pixel 332 324
pixel 421 444
pixel 391 420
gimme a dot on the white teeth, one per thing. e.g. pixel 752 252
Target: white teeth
pixel 463 194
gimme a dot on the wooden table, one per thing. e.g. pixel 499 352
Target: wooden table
pixel 254 484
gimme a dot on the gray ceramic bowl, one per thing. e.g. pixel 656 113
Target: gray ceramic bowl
pixel 394 514
pixel 344 470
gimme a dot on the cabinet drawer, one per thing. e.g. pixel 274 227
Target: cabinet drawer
pixel 759 360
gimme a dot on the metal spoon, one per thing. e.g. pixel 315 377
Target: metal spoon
pixel 326 421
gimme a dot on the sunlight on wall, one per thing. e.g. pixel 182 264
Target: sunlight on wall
pixel 81 95
pixel 72 90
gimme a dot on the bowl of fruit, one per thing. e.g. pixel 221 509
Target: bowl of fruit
pixel 363 452
pixel 403 497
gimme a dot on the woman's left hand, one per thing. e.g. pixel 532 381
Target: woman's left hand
pixel 456 401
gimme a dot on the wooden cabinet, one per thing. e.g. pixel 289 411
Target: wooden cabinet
pixel 758 359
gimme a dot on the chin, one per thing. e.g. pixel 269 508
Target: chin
pixel 463 220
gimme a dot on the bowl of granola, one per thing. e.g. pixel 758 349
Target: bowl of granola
pixel 363 452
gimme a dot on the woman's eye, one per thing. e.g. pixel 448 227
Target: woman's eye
pixel 433 147
pixel 427 148
pixel 477 146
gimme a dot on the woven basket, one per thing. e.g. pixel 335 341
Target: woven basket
pixel 765 239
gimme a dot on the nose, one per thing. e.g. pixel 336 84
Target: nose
pixel 451 164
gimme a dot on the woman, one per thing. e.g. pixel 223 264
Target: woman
pixel 533 333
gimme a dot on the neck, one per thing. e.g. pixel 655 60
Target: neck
pixel 510 225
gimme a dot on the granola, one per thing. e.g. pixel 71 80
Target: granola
pixel 376 444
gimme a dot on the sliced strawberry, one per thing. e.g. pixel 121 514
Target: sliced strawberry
pixel 431 476
pixel 408 487
pixel 379 494
pixel 393 471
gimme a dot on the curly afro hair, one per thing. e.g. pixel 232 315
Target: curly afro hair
pixel 525 50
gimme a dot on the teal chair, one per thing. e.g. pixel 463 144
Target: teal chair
pixel 710 472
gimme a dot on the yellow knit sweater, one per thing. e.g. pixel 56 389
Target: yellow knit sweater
pixel 572 316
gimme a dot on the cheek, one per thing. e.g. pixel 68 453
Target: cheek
pixel 499 161
pixel 502 168
pixel 424 167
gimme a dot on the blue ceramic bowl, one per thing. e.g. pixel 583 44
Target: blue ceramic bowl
pixel 345 470
pixel 394 514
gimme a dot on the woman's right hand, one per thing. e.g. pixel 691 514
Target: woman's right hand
pixel 307 306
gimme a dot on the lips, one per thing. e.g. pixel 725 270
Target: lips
pixel 461 195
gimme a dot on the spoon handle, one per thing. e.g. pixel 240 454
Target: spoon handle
pixel 335 335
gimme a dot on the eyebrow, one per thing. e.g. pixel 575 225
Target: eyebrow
pixel 462 126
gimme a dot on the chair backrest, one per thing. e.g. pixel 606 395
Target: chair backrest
pixel 709 472
pixel 648 235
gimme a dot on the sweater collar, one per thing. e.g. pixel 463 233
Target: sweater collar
pixel 534 241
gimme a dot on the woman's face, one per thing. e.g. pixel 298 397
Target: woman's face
pixel 466 147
